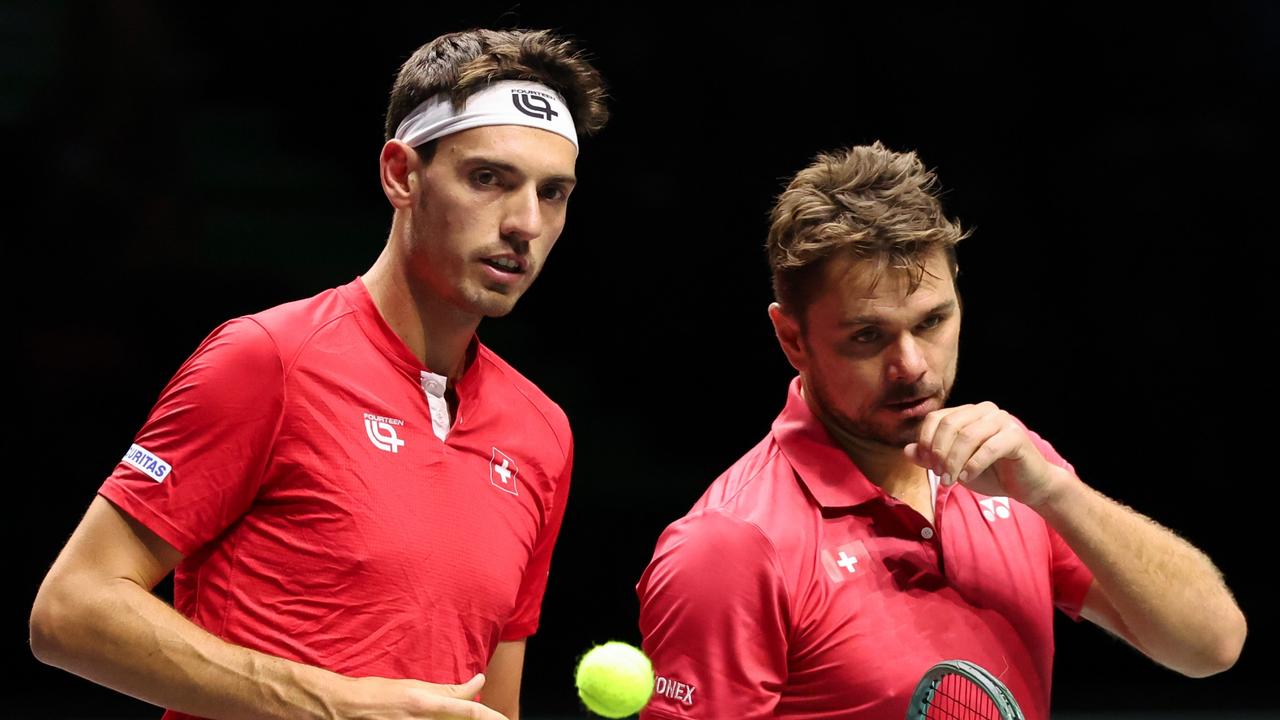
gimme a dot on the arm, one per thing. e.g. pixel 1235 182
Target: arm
pixel 1151 587
pixel 96 617
pixel 714 612
pixel 506 668
pixel 502 684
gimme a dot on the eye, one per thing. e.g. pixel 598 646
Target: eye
pixel 553 193
pixel 931 322
pixel 867 336
pixel 485 178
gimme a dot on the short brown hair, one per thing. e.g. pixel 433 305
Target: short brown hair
pixel 867 200
pixel 462 63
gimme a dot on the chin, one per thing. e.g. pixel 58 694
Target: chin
pixel 498 312
pixel 487 302
pixel 495 307
pixel 897 435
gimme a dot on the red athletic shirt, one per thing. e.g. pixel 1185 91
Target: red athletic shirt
pixel 795 588
pixel 294 462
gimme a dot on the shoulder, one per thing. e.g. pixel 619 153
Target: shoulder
pixel 1046 449
pixel 255 351
pixel 239 350
pixel 753 508
pixel 754 479
pixel 292 325
pixel 511 386
pixel 761 491
pixel 711 547
pixel 746 514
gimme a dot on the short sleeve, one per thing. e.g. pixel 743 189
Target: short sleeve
pixel 528 608
pixel 1071 579
pixel 198 462
pixel 713 614
pixel 1048 451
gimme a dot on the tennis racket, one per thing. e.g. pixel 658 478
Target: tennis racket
pixel 960 690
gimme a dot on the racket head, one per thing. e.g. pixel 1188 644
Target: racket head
pixel 961 690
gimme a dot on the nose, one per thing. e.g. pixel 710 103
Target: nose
pixel 522 216
pixel 906 361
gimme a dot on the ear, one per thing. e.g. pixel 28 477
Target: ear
pixel 397 169
pixel 788 330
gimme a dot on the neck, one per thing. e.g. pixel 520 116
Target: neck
pixel 434 331
pixel 886 466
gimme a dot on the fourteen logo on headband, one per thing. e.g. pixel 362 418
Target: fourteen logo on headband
pixel 532 104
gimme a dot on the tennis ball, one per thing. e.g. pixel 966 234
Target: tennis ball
pixel 614 679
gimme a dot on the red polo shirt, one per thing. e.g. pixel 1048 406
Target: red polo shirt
pixel 294 461
pixel 795 588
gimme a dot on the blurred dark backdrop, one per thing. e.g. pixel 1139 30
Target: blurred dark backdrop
pixel 171 166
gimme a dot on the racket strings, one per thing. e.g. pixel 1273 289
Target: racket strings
pixel 955 697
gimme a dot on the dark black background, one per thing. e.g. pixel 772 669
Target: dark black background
pixel 171 166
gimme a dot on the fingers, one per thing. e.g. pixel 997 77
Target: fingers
pixel 917 455
pixel 453 702
pixel 468 689
pixel 923 447
pixel 404 699
pixel 475 711
pixel 949 438
pixel 1002 442
pixel 969 446
pixel 983 447
pixel 454 709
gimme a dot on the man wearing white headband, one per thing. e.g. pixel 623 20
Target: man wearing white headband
pixel 359 498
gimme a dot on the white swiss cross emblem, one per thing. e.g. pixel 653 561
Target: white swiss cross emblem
pixel 995 508
pixel 844 561
pixel 503 471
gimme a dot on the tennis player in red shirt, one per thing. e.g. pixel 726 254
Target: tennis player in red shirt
pixel 876 531
pixel 359 498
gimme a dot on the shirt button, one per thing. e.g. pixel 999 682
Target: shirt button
pixel 927 533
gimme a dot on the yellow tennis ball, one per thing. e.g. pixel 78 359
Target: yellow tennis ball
pixel 614 679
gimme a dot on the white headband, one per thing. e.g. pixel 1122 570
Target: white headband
pixel 508 102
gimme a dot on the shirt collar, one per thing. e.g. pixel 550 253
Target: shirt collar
pixel 375 328
pixel 822 465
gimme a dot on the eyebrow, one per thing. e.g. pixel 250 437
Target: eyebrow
pixel 943 308
pixel 508 168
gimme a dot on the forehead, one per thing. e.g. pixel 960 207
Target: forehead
pixel 532 151
pixel 854 288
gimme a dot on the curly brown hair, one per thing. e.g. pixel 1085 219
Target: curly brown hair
pixel 867 200
pixel 464 62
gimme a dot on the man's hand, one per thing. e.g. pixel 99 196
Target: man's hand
pixel 374 698
pixel 1151 587
pixel 988 450
pixel 95 616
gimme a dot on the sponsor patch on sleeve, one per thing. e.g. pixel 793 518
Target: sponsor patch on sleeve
pixel 152 466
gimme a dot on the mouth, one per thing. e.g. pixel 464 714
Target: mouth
pixel 914 407
pixel 509 264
